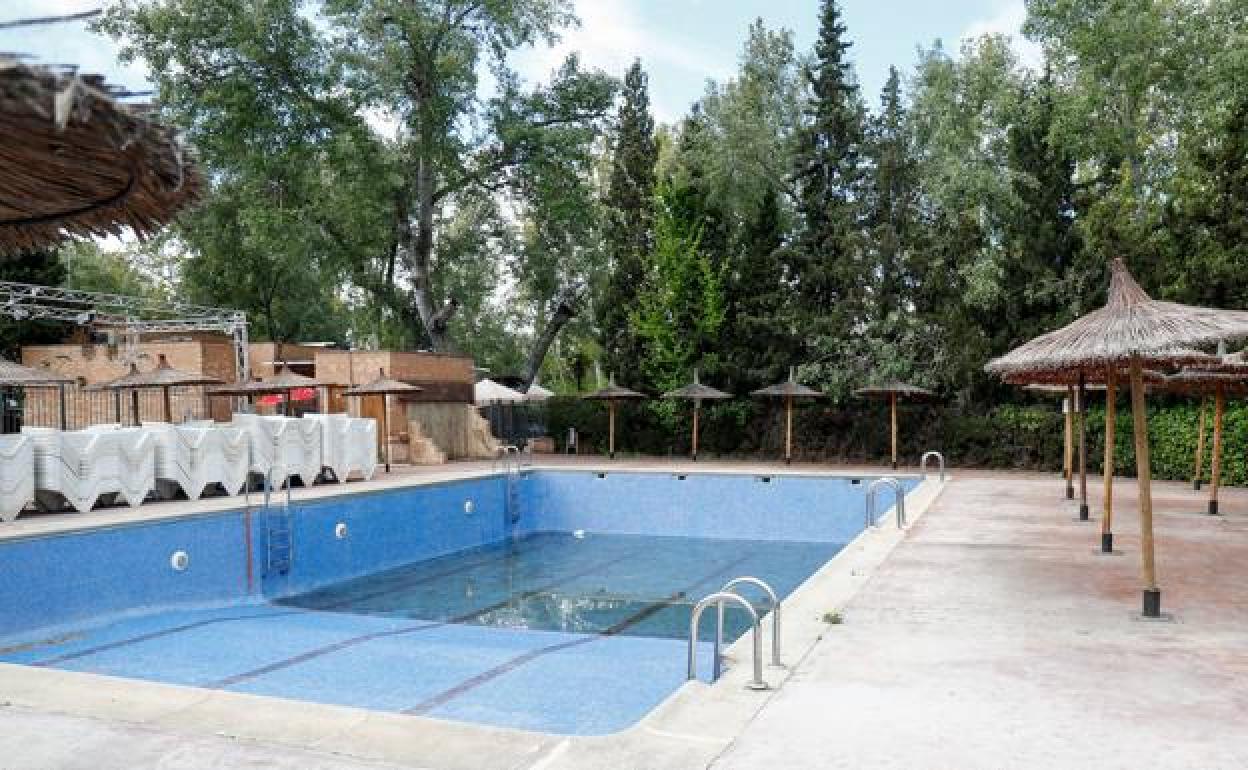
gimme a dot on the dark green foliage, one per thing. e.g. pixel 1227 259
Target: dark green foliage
pixel 825 260
pixel 40 267
pixel 630 215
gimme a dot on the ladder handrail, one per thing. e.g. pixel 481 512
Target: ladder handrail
pixel 899 500
pixel 775 612
pixel 718 599
pixel 939 457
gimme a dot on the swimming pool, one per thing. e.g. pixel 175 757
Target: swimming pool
pixel 563 607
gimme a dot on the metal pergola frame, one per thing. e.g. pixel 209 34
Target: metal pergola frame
pixel 131 316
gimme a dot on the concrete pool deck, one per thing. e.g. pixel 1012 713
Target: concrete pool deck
pixel 990 635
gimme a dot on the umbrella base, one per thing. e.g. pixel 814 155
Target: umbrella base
pixel 1152 603
pixel 1107 542
pixel 1083 512
pixel 1070 492
pixel 1196 485
pixel 1213 507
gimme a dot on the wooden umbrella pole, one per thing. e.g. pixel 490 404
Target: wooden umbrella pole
pixel 611 429
pixel 64 409
pixel 892 404
pixel 696 409
pixel 1200 446
pixel 168 404
pixel 1143 472
pixel 385 429
pixel 1082 406
pixel 1111 408
pixel 788 430
pixel 1215 465
pixel 134 405
pixel 1069 457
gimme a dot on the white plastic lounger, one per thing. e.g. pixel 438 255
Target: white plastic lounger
pixel 79 467
pixel 193 455
pixel 288 445
pixel 17 475
pixel 348 444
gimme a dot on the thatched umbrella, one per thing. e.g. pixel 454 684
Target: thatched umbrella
pixel 1103 379
pixel 892 391
pixel 1069 406
pixel 285 382
pixel 1217 378
pixel 384 387
pixel 164 377
pixel 76 162
pixel 697 393
pixel 612 394
pixel 788 390
pixel 1131 330
pixel 17 376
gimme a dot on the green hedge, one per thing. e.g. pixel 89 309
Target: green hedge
pixel 1007 436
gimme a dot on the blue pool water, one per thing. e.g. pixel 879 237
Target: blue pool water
pixel 421 604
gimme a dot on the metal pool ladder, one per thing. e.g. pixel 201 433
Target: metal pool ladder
pixel 718 600
pixel 940 459
pixel 730 586
pixel 279 544
pixel 899 500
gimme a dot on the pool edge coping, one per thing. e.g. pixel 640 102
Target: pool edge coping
pixel 697 717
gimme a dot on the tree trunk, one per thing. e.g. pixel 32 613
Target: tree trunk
pixel 565 310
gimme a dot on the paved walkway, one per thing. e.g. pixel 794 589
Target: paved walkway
pixel 996 636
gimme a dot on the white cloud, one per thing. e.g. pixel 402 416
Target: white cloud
pixel 611 35
pixel 1007 19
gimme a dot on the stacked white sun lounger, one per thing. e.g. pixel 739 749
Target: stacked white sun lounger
pixel 348 444
pixel 17 475
pixel 193 455
pixel 286 445
pixel 80 467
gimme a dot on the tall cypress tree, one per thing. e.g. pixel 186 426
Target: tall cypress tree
pixel 630 205
pixel 1042 242
pixel 757 346
pixel 892 201
pixel 828 176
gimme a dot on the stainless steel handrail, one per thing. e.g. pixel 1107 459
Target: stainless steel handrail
pixel 899 500
pixel 718 599
pixel 939 457
pixel 775 613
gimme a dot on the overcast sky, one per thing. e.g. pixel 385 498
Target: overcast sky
pixel 682 43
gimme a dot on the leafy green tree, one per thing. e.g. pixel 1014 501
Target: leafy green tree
pixel 629 205
pixel 681 303
pixel 273 95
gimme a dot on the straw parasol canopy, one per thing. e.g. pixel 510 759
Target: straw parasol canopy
pixel 284 382
pixel 789 390
pixel 613 394
pixel 77 162
pixel 383 386
pixel 163 377
pixel 892 391
pixel 1131 330
pixel 697 393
